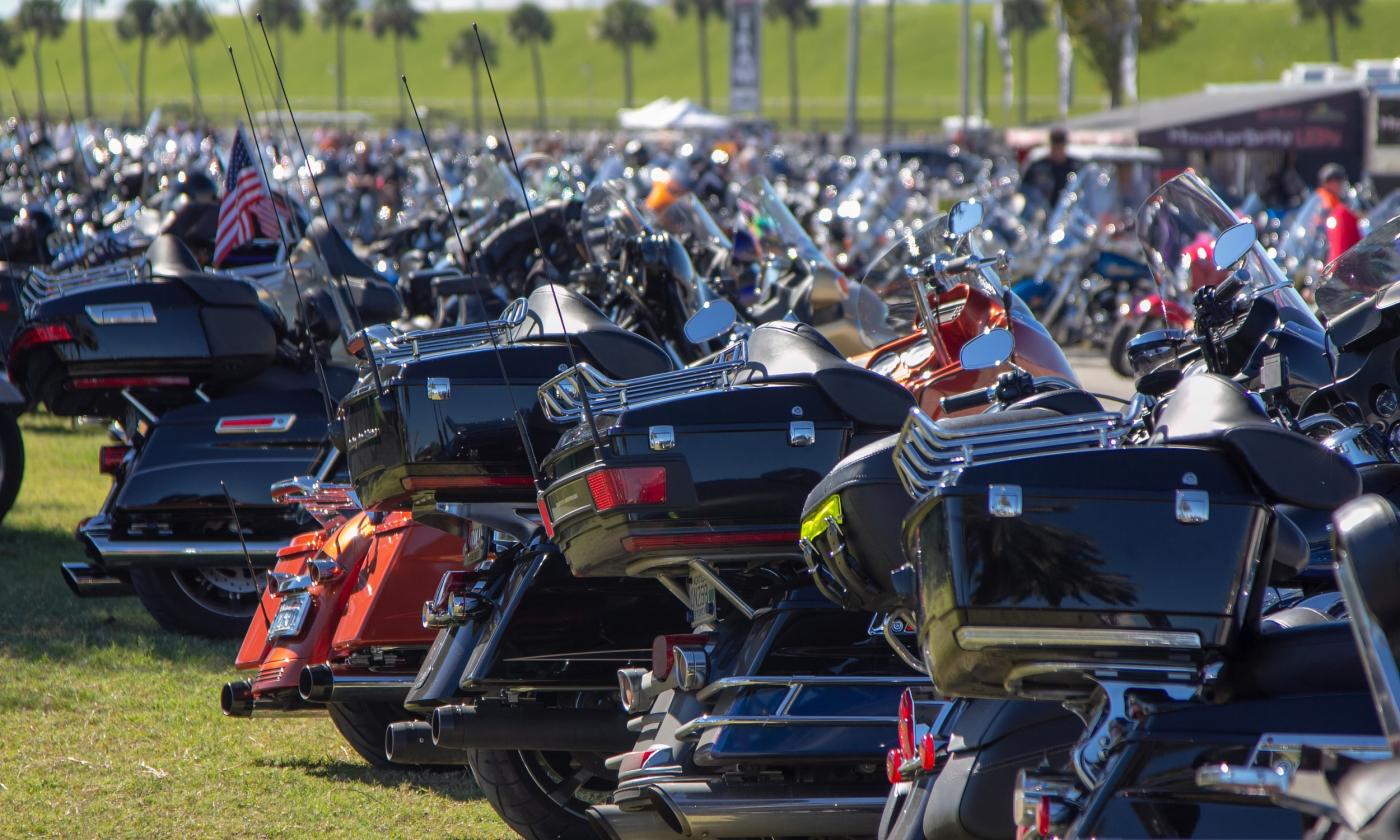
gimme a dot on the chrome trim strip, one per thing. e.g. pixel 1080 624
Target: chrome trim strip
pixel 712 721
pixel 709 691
pixel 981 638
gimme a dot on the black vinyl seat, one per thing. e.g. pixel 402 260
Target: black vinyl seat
pixel 1311 659
pixel 558 313
pixel 785 351
pixel 1210 410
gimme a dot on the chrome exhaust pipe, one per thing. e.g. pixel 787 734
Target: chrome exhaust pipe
pixel 498 726
pixel 236 699
pixel 612 823
pixel 411 742
pixel 318 684
pixel 713 809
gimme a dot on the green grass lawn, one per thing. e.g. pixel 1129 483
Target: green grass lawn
pixel 110 727
pixel 1229 42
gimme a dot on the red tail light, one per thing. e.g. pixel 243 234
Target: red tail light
pixel 928 753
pixel 109 458
pixel 95 383
pixel 906 725
pixel 1042 817
pixel 659 542
pixel 663 656
pixel 544 518
pixel 892 762
pixel 619 486
pixel 37 335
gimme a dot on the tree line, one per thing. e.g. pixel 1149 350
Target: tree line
pixel 1096 27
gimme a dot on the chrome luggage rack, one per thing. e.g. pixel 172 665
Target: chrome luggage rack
pixel 40 286
pixel 562 403
pixel 785 714
pixel 417 342
pixel 929 453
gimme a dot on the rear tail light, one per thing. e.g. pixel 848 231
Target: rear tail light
pixel 616 486
pixel 252 424
pixel 906 725
pixel 109 458
pixel 892 762
pixel 709 539
pixel 544 518
pixel 928 753
pixel 102 383
pixel 663 652
pixel 38 335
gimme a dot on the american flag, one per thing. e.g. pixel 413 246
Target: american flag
pixel 246 210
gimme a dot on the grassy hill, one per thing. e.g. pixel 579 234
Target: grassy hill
pixel 1228 42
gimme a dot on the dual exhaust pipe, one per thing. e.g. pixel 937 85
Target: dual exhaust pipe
pixel 317 685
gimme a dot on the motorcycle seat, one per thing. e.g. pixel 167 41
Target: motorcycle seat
pixel 1210 410
pixel 1311 659
pixel 171 259
pixel 784 351
pixel 559 314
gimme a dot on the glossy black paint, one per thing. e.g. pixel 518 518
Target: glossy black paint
pixel 732 469
pixel 209 339
pixel 403 436
pixel 1098 545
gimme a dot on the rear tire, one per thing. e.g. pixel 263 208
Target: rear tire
pixel 363 724
pixel 537 793
pixel 198 602
pixel 11 460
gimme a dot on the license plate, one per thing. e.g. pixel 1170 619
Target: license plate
pixel 290 616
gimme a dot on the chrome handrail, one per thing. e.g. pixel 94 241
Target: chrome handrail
pixel 417 342
pixel 928 450
pixel 41 286
pixel 727 683
pixel 562 402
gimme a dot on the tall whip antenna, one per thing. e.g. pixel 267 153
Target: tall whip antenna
pixel 311 173
pixel 539 242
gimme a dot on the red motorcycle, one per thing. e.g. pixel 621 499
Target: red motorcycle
pixel 339 630
pixel 1169 307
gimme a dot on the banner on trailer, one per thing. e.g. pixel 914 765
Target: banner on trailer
pixel 745 38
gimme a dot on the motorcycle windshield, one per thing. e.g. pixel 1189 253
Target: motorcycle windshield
pixel 688 219
pixel 773 226
pixel 607 216
pixel 1178 225
pixel 1367 267
pixel 1089 197
pixel 1304 237
pixel 547 179
pixel 882 304
pixel 486 186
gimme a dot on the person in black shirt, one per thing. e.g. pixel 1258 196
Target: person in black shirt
pixel 1048 175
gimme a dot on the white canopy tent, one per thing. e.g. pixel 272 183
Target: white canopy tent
pixel 666 113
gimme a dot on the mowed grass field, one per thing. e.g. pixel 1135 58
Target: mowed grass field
pixel 110 728
pixel 1229 42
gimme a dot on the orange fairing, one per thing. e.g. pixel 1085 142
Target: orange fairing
pixel 280 662
pixel 385 606
pixel 291 560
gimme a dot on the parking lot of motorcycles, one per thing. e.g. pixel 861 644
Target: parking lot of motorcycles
pixel 702 490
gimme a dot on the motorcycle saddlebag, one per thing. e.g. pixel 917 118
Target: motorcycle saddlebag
pixel 1035 570
pixel 160 337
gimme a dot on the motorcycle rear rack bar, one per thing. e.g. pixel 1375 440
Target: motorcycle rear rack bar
pixel 562 403
pixel 41 286
pixel 927 450
pixel 417 342
pixel 727 683
pixel 782 716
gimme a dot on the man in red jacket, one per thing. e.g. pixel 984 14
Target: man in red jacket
pixel 1343 230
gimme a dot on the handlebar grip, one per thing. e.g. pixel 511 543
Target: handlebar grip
pixel 977 398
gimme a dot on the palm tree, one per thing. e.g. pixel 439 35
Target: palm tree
pixel 1027 17
pixel 530 25
pixel 43 18
pixel 703 9
pixel 138 23
pixel 11 46
pixel 185 21
pixel 798 14
pixel 279 15
pixel 1347 10
pixel 626 24
pixel 337 15
pixel 84 7
pixel 399 19
pixel 465 50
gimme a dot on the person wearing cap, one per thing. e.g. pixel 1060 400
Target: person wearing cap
pixel 1343 229
pixel 1049 174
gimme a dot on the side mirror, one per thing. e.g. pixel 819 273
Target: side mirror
pixel 1233 243
pixel 987 350
pixel 965 216
pixel 713 320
